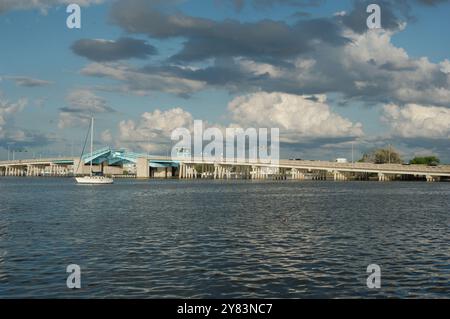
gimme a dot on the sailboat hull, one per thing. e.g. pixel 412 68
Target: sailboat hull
pixel 97 180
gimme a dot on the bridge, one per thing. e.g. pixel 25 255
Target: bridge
pixel 106 160
pixel 122 163
pixel 314 170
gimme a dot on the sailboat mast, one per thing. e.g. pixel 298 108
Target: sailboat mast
pixel 92 143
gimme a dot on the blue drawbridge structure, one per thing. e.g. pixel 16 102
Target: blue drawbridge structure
pixel 122 157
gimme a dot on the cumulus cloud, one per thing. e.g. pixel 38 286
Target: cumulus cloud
pixel 418 121
pixel 305 120
pixel 299 118
pixel 207 38
pixel 312 56
pixel 153 130
pixel 101 50
pixel 83 104
pixel 369 69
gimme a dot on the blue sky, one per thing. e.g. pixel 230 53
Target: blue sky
pixel 404 100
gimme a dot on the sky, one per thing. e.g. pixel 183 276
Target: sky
pixel 142 68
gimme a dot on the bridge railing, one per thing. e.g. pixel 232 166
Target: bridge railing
pixel 319 164
pixel 35 161
pixel 370 166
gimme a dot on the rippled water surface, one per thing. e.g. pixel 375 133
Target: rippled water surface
pixel 154 239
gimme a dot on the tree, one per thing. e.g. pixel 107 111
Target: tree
pixel 382 156
pixel 426 160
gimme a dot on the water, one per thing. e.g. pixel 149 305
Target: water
pixel 218 239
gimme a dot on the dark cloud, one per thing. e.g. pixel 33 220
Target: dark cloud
pixel 307 56
pixel 393 13
pixel 390 66
pixel 264 4
pixel 356 19
pixel 432 2
pixel 106 50
pixel 259 40
pixel 300 15
pixel 206 38
pixel 18 139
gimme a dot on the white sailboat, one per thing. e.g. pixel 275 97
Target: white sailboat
pixel 91 178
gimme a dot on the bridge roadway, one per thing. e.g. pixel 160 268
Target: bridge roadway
pixel 187 168
pixel 212 168
pixel 61 166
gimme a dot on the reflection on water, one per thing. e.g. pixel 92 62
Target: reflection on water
pixel 153 239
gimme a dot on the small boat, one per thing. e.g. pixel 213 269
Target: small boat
pixel 92 178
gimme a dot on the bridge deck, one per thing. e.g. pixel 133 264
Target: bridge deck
pixel 441 170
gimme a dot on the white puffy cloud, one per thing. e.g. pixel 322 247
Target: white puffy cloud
pixel 371 68
pixel 445 66
pixel 301 119
pixel 298 117
pixel 258 68
pixel 418 121
pixel 152 132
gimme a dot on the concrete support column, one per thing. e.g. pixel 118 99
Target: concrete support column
pixel 216 171
pixel 432 179
pixel 142 168
pixel 180 171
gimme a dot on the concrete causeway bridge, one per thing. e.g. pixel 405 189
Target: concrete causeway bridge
pixel 314 170
pixel 122 163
